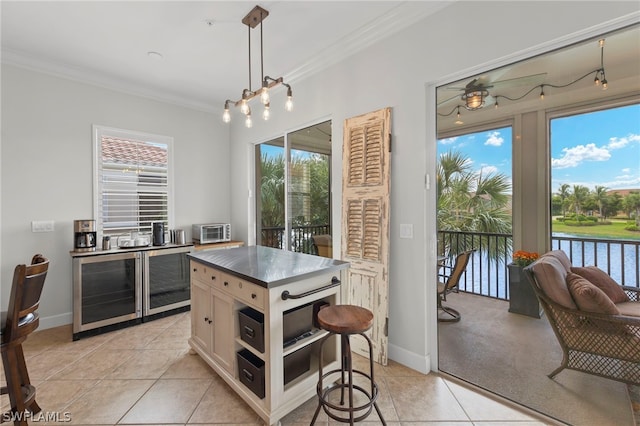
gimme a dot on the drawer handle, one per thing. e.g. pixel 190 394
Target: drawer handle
pixel 226 284
pixel 286 295
pixel 213 277
pixel 249 332
pixel 195 269
pixel 253 295
pixel 247 374
pixel 206 319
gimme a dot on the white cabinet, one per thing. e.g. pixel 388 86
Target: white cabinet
pixel 201 321
pixel 211 309
pixel 222 350
pixel 217 336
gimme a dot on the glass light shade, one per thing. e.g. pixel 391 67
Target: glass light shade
pixel 266 114
pixel 289 104
pixel 244 107
pixel 475 101
pixel 248 122
pixel 226 116
pixel 264 96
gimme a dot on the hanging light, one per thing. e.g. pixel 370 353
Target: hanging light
pixel 247 121
pixel 254 18
pixel 226 116
pixel 458 121
pixel 474 99
pixel 288 106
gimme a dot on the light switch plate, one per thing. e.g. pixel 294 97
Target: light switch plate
pixel 42 226
pixel 406 230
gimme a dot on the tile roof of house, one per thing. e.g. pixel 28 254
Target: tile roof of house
pixel 127 151
pixel 623 192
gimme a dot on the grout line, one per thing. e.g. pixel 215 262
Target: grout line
pixel 497 398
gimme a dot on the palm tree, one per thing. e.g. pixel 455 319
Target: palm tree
pixel 631 204
pixel 578 197
pixel 271 198
pixel 473 202
pixel 564 193
pixel 600 195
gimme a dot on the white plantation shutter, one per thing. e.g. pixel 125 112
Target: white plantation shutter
pixel 133 185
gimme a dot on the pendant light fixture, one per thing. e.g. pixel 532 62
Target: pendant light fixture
pixel 252 20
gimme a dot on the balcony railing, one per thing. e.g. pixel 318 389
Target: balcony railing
pixel 487 273
pixel 301 240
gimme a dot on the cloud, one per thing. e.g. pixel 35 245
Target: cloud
pixel 487 170
pixel 494 139
pixel 626 170
pixel 617 143
pixel 573 157
pixel 448 141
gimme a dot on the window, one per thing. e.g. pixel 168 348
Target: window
pixel 132 181
pixel 293 197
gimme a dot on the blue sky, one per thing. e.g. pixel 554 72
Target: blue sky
pixel 599 148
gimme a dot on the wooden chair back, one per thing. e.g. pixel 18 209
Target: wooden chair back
pixel 24 300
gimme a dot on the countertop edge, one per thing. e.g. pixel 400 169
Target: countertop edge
pixel 117 250
pixel 334 266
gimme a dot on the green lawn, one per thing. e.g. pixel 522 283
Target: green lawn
pixel 614 230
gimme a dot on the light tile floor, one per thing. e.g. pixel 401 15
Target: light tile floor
pixel 145 375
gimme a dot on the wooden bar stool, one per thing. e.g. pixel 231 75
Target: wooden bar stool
pixel 346 320
pixel 20 320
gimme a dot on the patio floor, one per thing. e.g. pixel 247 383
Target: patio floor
pixel 511 354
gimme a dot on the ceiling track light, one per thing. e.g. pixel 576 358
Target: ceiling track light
pixel 252 20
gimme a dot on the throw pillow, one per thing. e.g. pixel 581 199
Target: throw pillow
pixel 603 281
pixel 551 276
pixel 588 297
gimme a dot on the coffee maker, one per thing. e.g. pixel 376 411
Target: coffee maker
pixel 84 232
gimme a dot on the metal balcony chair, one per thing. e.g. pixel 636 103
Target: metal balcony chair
pixel 450 279
pixel 20 320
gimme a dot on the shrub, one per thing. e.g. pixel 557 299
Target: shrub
pixel 579 223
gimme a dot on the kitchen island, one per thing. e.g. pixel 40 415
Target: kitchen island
pixel 252 321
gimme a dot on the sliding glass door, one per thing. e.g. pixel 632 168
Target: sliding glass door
pixel 293 196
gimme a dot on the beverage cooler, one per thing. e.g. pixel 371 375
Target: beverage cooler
pixel 107 290
pixel 113 290
pixel 166 280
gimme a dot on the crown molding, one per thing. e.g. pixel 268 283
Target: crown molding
pixel 96 78
pixel 401 17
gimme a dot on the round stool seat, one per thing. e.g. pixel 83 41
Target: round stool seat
pixel 345 319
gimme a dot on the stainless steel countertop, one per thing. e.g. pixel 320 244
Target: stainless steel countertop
pixel 268 267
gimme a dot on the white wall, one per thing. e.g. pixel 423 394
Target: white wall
pixel 395 73
pixel 47 169
pixel 46 163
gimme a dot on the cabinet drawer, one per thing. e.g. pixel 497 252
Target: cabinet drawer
pixel 247 292
pixel 205 274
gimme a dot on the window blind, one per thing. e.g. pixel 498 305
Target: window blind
pixel 133 188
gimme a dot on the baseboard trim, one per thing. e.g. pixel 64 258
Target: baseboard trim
pixel 55 321
pixel 410 359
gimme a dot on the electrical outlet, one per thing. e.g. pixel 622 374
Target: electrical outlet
pixel 42 226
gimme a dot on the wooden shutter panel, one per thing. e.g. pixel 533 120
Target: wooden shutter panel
pixel 365 221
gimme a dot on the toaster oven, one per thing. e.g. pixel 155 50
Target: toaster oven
pixel 206 233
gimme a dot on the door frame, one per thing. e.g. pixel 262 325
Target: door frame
pixel 430 247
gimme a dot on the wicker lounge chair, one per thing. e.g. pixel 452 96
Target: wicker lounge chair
pixel 603 344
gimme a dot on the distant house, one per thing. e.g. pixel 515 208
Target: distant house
pixel 623 192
